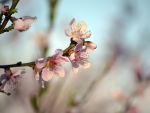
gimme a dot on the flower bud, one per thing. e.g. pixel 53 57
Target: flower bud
pixel 5 9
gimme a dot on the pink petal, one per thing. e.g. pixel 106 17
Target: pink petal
pixel 74 66
pixel 73 25
pixel 18 72
pixel 86 65
pixel 83 26
pixel 78 40
pixel 37 76
pixel 59 71
pixel 61 60
pixel 68 33
pixel 75 70
pixel 86 35
pixel 29 20
pixel 89 50
pixel 58 53
pixel 46 74
pixel 79 46
pixel 72 56
pixel 40 63
pixel 18 24
pixel 72 21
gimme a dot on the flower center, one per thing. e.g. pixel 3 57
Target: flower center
pixel 51 63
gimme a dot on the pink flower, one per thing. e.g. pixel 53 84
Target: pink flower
pixel 24 23
pixel 78 31
pixel 79 57
pixel 53 65
pixel 11 79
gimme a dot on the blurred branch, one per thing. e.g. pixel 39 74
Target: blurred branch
pixel 99 77
pixel 52 4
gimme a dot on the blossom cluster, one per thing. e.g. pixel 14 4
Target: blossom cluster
pixel 46 68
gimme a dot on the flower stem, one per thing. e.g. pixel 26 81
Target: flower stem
pixel 14 4
pixel 18 64
pixel 31 64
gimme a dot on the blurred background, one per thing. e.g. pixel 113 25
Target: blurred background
pixel 116 82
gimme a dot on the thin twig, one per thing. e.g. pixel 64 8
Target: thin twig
pixel 14 4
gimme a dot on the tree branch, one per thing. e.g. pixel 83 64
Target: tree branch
pixel 31 64
pixel 14 4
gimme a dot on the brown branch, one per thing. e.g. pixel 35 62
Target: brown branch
pixel 14 4
pixel 31 64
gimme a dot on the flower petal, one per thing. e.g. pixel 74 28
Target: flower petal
pixel 37 76
pixel 29 20
pixel 61 60
pixel 73 25
pixel 40 63
pixel 78 40
pixel 68 33
pixel 41 82
pixel 79 46
pixel 3 77
pixel 72 56
pixel 86 35
pixel 83 26
pixel 85 65
pixel 46 74
pixel 59 71
pixel 74 66
pixel 75 70
pixel 58 53
pixel 89 50
pixel 18 24
pixel 4 85
pixel 18 72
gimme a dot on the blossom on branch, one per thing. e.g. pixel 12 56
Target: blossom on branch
pixel 24 23
pixel 78 31
pixel 53 65
pixel 80 56
pixel 11 79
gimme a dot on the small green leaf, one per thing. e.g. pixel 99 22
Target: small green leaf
pixel 13 11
